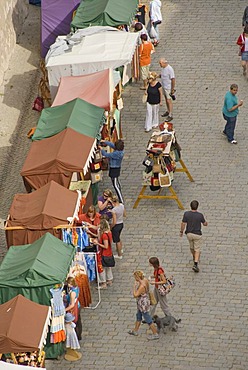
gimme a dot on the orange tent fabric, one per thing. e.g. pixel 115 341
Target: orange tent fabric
pixel 39 212
pixel 56 158
pixel 22 325
pixel 95 88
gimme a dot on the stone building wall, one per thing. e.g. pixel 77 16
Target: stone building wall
pixel 12 15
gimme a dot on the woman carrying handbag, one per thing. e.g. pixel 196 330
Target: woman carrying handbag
pixel 141 293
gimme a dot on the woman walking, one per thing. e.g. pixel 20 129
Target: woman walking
pixel 155 20
pixel 159 278
pixel 141 293
pixel 154 99
pixel 243 44
pixel 118 213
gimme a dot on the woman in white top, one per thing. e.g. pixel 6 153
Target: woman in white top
pixel 118 213
pixel 155 19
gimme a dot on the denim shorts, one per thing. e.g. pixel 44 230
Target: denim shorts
pixel 244 56
pixel 146 315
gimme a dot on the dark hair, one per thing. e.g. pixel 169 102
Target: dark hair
pixel 143 37
pixel 246 28
pixel 154 261
pixel 138 26
pixel 194 205
pixel 119 145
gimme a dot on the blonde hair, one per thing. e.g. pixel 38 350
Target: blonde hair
pixel 115 198
pixel 104 226
pixel 108 192
pixel 140 274
pixel 153 75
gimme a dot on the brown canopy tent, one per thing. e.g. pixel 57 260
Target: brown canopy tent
pixel 32 215
pixel 24 325
pixel 56 158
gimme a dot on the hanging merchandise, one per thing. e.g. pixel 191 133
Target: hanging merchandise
pixel 96 177
pixel 98 156
pixel 164 180
pixel 95 167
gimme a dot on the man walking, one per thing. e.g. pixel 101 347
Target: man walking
pixel 115 159
pixel 230 111
pixel 168 83
pixel 193 220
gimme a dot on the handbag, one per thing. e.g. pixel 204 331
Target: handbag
pixel 164 180
pixel 144 98
pixel 95 167
pixel 148 161
pixel 38 104
pixel 97 156
pixel 155 182
pixel 164 289
pixel 96 177
pixel 108 261
pixel 153 33
pixel 152 298
pixel 147 178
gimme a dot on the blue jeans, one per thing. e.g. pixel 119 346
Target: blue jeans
pixel 230 127
pixel 146 315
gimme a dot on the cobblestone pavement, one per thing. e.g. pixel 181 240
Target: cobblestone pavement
pixel 198 38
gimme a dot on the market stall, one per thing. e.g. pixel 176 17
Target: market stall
pixel 56 16
pixel 104 13
pixel 34 270
pixel 95 88
pixel 23 331
pixel 160 163
pixel 32 215
pixel 57 158
pixel 79 115
pixel 90 50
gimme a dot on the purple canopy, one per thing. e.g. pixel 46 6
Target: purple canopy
pixel 56 16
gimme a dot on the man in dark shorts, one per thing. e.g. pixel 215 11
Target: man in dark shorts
pixel 193 220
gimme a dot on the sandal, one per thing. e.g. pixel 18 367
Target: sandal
pixel 133 332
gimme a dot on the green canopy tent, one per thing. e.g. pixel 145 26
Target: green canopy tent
pixel 104 13
pixel 32 270
pixel 77 114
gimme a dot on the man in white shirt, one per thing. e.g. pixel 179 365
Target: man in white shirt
pixel 168 82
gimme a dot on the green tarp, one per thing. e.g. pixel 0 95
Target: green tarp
pixel 104 13
pixel 32 270
pixel 77 114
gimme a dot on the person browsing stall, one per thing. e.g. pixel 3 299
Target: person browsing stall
pixel 115 159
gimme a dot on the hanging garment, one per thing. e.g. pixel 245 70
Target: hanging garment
pixel 57 301
pixel 84 290
pixel 91 266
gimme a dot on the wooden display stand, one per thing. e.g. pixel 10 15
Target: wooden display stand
pixel 184 169
pixel 172 191
pixel 158 196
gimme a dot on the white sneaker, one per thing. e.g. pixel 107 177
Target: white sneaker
pixel 118 257
pixel 233 142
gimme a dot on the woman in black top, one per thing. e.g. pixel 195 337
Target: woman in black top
pixel 154 100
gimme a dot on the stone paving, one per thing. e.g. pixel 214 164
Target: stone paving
pixel 198 38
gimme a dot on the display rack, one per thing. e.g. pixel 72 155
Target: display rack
pixel 166 152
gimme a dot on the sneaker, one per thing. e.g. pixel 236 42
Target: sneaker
pixel 118 257
pixel 233 142
pixel 195 268
pixel 133 332
pixel 169 118
pixel 153 337
pixel 165 114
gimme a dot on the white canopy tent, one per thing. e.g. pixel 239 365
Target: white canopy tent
pixel 87 51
